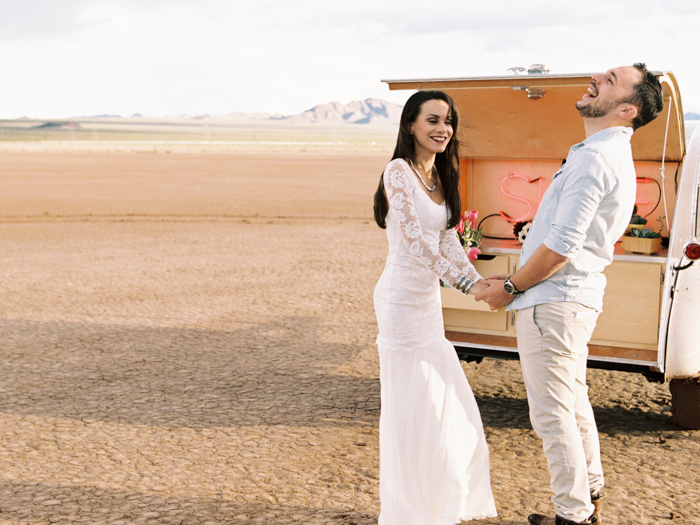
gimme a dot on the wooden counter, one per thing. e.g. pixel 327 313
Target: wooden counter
pixel 627 329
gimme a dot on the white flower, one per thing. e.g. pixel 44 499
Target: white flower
pixel 397 200
pixel 415 248
pixel 441 266
pixel 523 232
pixel 412 230
pixel 397 179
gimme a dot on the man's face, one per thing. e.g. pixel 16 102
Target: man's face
pixel 608 90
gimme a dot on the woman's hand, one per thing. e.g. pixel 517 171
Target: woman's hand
pixel 479 287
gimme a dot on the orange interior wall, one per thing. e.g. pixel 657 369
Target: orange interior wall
pixel 484 189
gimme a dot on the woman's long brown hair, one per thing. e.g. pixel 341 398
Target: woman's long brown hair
pixel 447 162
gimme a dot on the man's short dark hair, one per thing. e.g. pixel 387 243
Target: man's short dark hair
pixel 648 96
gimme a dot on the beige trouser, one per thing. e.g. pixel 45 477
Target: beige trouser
pixel 552 342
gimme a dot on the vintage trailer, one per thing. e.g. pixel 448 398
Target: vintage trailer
pixel 517 130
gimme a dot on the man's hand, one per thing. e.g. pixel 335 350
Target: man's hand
pixel 543 263
pixel 495 296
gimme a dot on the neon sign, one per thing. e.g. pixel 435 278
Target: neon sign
pixel 529 213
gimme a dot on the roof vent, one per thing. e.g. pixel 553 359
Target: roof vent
pixel 537 69
pixel 534 69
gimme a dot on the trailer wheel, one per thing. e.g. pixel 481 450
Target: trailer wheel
pixel 685 402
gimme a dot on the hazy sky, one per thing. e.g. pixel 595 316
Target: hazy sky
pixel 63 58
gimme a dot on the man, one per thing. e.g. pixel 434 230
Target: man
pixel 558 289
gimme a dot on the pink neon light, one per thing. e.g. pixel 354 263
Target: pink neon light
pixel 529 207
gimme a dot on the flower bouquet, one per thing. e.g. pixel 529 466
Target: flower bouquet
pixel 469 235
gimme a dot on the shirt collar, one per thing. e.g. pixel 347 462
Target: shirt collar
pixel 604 134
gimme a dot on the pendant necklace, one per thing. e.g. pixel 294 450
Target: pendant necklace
pixel 421 178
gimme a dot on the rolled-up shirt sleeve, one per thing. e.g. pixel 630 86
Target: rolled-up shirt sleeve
pixel 588 184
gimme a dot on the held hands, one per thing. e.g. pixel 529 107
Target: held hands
pixel 479 287
pixel 492 292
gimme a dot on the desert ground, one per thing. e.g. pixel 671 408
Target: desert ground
pixel 188 338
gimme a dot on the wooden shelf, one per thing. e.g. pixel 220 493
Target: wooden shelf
pixel 608 352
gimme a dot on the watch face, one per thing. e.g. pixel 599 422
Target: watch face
pixel 509 288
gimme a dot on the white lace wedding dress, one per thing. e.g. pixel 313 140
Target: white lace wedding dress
pixel 434 460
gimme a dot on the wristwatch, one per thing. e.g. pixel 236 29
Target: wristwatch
pixel 510 288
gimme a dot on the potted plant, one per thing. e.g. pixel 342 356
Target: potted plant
pixel 644 239
pixel 637 222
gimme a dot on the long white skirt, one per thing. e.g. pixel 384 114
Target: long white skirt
pixel 434 460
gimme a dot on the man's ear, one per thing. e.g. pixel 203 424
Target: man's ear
pixel 627 111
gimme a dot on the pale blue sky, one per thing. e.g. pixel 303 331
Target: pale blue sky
pixel 171 57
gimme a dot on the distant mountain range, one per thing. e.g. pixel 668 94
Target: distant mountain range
pixel 369 111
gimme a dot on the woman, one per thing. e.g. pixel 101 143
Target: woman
pixel 434 461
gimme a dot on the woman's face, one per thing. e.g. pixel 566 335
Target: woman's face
pixel 432 130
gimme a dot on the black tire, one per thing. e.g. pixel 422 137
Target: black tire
pixel 685 402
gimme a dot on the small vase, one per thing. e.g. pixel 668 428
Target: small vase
pixel 641 244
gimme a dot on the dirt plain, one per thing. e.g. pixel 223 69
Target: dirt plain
pixel 188 338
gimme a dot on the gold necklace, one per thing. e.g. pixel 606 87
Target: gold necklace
pixel 421 178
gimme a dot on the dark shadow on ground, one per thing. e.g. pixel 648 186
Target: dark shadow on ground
pixel 272 373
pixel 507 412
pixel 268 374
pixel 503 412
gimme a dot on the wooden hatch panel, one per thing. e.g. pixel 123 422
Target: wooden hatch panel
pixel 502 121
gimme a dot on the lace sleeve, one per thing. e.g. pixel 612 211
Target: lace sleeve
pixel 399 193
pixel 453 250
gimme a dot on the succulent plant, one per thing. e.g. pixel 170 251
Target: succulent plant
pixel 646 232
pixel 637 219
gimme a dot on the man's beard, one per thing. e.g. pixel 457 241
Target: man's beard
pixel 593 111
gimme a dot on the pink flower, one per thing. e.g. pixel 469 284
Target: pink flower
pixel 471 218
pixel 473 253
pixel 460 227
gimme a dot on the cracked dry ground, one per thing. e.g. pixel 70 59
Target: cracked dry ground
pixel 204 370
